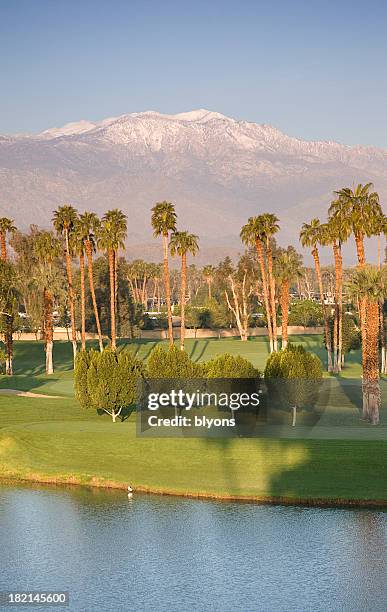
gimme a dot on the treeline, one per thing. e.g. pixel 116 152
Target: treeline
pixel 74 273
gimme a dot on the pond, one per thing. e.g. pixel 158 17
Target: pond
pixel 165 554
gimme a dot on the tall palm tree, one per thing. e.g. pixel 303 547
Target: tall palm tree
pixel 47 248
pixel 209 273
pixel 359 206
pixel 335 233
pixel 164 221
pixel 251 235
pixel 311 235
pixel 287 270
pixel 369 283
pixel 90 224
pixel 78 247
pixel 269 224
pixel 6 227
pixel 112 235
pixel 182 243
pixel 63 220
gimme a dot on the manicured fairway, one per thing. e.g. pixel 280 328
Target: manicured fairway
pixel 56 440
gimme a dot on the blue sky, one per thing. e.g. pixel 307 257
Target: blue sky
pixel 317 70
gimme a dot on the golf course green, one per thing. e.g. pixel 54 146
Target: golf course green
pixel 51 439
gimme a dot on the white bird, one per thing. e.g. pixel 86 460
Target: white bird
pixel 130 489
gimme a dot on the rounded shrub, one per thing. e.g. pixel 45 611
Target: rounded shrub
pixel 171 362
pixel 229 366
pixel 107 381
pixel 294 375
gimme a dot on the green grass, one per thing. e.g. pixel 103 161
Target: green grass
pixel 54 439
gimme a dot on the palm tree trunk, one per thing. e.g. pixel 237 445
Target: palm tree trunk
pixel 269 254
pixel 112 299
pixel 340 356
pixel 92 291
pixel 115 278
pixel 158 296
pixel 83 307
pixel 371 385
pixel 359 240
pixel 3 246
pixel 285 311
pixel 261 260
pixel 154 294
pixel 71 297
pixel 143 292
pixel 182 298
pixel 48 330
pixel 209 288
pixel 324 309
pixel 336 325
pixel 167 288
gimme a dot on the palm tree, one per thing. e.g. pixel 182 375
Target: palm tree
pixel 251 235
pixel 182 243
pixel 287 270
pixel 6 227
pixel 311 235
pixel 335 233
pixel 90 224
pixel 164 221
pixel 64 219
pixel 359 206
pixel 78 247
pixel 112 235
pixel 47 248
pixel 269 223
pixel 369 283
pixel 209 273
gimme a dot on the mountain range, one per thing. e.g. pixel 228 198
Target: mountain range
pixel 217 171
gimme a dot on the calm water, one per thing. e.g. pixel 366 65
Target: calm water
pixel 167 554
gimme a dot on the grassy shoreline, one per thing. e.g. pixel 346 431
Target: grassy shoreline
pixel 52 441
pixel 264 500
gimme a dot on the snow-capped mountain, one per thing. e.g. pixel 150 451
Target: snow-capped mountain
pixel 218 171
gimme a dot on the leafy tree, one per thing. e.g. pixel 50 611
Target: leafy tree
pixel 9 299
pixel 295 375
pixel 230 366
pixel 170 362
pixel 112 380
pixel 306 313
